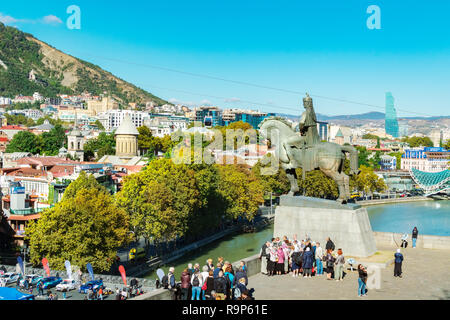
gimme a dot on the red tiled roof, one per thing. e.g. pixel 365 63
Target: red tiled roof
pixel 23 172
pixel 44 161
pixel 24 218
pixel 12 127
pixel 61 170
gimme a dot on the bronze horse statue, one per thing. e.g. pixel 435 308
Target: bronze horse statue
pixel 326 156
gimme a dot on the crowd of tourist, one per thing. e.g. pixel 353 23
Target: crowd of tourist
pixel 211 282
pixel 306 258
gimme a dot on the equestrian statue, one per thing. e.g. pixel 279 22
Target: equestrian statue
pixel 303 148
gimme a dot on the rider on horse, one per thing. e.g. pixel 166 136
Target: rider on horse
pixel 309 135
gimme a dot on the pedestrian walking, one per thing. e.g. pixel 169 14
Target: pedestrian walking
pixel 362 280
pixel 415 233
pixel 340 261
pixel 398 264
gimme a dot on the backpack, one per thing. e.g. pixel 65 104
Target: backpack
pixel 296 257
pixel 165 281
pixel 195 282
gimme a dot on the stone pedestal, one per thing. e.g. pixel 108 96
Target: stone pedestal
pixel 348 226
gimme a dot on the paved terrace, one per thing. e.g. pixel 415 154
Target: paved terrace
pixel 425 276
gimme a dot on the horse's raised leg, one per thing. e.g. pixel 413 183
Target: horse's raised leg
pixel 292 176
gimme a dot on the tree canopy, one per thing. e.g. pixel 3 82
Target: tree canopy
pixel 86 226
pixel 104 144
pixel 24 141
pixel 415 142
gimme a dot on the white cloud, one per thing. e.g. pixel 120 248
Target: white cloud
pixel 233 100
pixel 206 102
pixel 50 20
pixel 181 102
pixel 7 19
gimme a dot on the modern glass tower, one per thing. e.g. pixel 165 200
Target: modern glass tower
pixel 391 122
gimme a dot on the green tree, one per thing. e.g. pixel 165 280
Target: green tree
pixel 363 156
pixel 241 190
pixel 24 141
pixel 415 142
pixel 367 181
pixel 99 125
pixel 446 145
pixel 160 200
pixel 104 144
pixel 86 226
pixel 398 156
pixel 274 181
pixel 317 184
pixel 52 141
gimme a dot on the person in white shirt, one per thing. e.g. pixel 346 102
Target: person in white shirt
pixel 319 255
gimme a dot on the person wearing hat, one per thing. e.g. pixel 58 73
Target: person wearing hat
pixel 398 263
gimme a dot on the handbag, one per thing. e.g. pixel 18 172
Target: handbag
pixel 204 287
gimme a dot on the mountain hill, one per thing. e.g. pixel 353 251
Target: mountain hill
pixel 54 72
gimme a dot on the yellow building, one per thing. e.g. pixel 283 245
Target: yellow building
pixel 107 103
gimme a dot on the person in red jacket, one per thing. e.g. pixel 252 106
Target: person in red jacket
pixel 185 284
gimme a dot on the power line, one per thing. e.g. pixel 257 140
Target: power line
pixel 249 84
pixel 241 83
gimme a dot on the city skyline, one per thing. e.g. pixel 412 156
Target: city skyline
pixel 327 51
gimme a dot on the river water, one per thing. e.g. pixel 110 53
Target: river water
pixel 430 217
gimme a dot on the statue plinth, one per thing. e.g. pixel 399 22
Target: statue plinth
pixel 348 225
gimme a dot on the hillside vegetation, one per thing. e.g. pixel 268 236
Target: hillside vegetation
pixel 56 72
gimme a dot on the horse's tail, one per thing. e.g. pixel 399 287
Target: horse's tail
pixel 354 168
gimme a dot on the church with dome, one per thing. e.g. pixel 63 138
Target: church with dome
pixel 126 146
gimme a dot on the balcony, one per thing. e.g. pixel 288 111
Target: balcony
pixel 27 212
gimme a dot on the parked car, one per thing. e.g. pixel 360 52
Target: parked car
pixel 50 282
pixel 66 285
pixel 34 279
pixel 10 277
pixel 95 284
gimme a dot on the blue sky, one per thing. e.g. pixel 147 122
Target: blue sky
pixel 322 47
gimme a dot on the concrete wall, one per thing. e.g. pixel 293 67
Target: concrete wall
pixel 423 241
